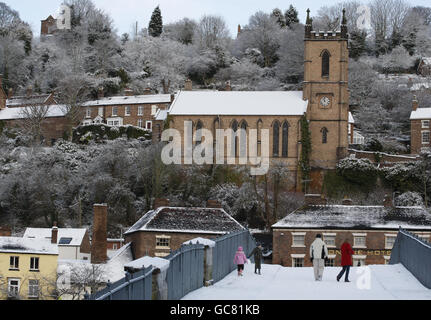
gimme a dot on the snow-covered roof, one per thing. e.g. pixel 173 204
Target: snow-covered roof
pixel 23 245
pixel 357 217
pixel 427 60
pixel 421 113
pixel 74 235
pixel 143 99
pixel 27 100
pixel 145 262
pixel 161 115
pixel 17 113
pixel 351 119
pixel 239 103
pixel 199 240
pixel 187 220
pixel 420 86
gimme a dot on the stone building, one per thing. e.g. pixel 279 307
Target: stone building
pixel 166 228
pixel 48 26
pixel 324 102
pixel 420 129
pixel 371 231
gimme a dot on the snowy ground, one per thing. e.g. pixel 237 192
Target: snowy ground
pixel 278 283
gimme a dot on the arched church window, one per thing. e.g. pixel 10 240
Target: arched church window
pixel 243 139
pixel 199 127
pixel 325 64
pixel 285 140
pixel 235 138
pixel 324 135
pixel 276 139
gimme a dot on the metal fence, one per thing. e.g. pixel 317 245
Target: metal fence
pixel 186 271
pixel 414 254
pixel 136 286
pixel 224 252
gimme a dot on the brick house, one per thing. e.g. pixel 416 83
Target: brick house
pixel 420 119
pixel 424 67
pixel 371 230
pixel 134 110
pixel 166 228
pixel 324 101
pixel 48 26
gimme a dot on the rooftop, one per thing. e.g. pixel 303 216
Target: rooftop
pixel 356 217
pixel 142 99
pixel 239 103
pixel 17 113
pixel 187 220
pixel 65 236
pixel 421 113
pixel 23 245
pixel 27 100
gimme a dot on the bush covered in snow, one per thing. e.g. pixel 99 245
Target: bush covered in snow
pixel 409 199
pixel 101 132
pixel 360 171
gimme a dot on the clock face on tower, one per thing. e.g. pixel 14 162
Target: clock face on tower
pixel 325 101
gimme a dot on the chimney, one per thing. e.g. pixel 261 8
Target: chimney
pixel 147 91
pixel 158 203
pixel 29 91
pixel 387 202
pixel 315 200
pixel 100 93
pixel 10 93
pixel 188 86
pixel 228 87
pixel 99 245
pixel 347 201
pixel 128 92
pixel 5 232
pixel 214 204
pixel 172 97
pixel 415 103
pixel 54 233
pixel 239 29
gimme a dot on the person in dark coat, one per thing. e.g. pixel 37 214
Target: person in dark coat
pixel 257 253
pixel 346 260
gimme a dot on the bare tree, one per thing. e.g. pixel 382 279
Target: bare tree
pixel 211 31
pixel 33 119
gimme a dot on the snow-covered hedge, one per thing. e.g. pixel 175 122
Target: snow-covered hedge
pixel 99 132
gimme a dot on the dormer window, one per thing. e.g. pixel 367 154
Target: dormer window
pixel 325 63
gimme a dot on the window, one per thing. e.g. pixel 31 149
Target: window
pixel 330 262
pixel 14 263
pixel 100 111
pixel 161 254
pixel 387 259
pixel 425 124
pixel 324 132
pixel 285 139
pixel 423 237
pixel 128 110
pixel 163 242
pixel 65 241
pixel 149 125
pixel 359 241
pixel 153 110
pixel 389 241
pixel 235 138
pixel 33 288
pixel 425 137
pixel 115 246
pixel 359 261
pixel 325 64
pixel 329 240
pixel 140 123
pixel 34 264
pixel 298 240
pixel 298 262
pixel 88 113
pixel 140 111
pixel 13 288
pixel 276 139
pixel 114 111
pixel 243 140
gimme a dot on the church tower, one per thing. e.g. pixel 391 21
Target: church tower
pixel 326 89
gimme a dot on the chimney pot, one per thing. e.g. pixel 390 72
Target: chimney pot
pixel 128 92
pixel 29 91
pixel 347 201
pixel 100 93
pixel 315 200
pixel 228 87
pixel 214 204
pixel 158 203
pixel 415 103
pixel 99 245
pixel 54 233
pixel 188 86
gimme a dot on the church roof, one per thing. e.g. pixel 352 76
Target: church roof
pixel 284 103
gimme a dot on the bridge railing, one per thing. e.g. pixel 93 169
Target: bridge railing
pixel 414 254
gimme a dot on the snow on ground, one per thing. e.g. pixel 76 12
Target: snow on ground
pixel 387 282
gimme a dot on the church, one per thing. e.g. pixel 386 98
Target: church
pixel 323 103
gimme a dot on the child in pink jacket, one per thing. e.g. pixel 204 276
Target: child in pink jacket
pixel 240 259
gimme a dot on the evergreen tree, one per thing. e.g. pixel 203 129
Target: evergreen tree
pixel 155 28
pixel 358 44
pixel 291 16
pixel 278 16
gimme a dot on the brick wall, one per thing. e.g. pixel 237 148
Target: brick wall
pixel 375 250
pixel 98 244
pixel 385 159
pixel 5 232
pixel 85 245
pixel 144 242
pixel 416 136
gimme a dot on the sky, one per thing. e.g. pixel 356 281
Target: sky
pixel 126 13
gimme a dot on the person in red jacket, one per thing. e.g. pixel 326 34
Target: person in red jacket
pixel 346 260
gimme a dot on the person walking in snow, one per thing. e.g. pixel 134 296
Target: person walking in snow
pixel 318 255
pixel 240 260
pixel 346 260
pixel 257 253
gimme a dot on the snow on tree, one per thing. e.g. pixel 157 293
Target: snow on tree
pixel 155 27
pixel 291 16
pixel 409 199
pixel 278 16
pixel 211 32
pixel 182 31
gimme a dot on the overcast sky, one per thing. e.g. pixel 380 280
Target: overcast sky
pixel 126 12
